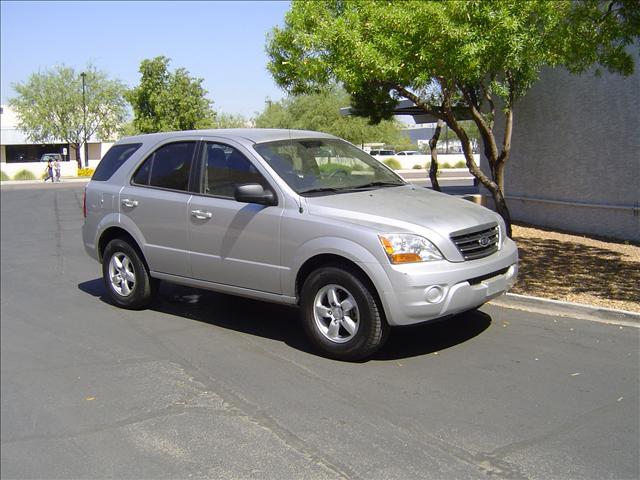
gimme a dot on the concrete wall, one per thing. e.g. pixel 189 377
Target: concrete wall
pixel 575 161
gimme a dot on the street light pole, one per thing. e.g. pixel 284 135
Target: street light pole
pixel 84 121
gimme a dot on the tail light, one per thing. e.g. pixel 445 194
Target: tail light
pixel 84 203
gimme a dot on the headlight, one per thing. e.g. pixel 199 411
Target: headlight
pixel 408 248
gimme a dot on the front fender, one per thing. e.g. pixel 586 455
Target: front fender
pixel 341 247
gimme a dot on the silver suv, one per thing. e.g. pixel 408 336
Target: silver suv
pixel 293 217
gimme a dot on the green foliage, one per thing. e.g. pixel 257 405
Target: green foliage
pixel 24 175
pixel 417 166
pixel 167 101
pixel 321 112
pixel 4 177
pixel 454 59
pixel 228 120
pixel 335 168
pixel 392 163
pixel 460 164
pixel 49 105
pixel 372 47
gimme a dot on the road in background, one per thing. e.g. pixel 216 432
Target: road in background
pixel 208 385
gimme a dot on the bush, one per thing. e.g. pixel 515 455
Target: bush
pixel 417 167
pixel 332 168
pixel 461 164
pixel 24 175
pixel 393 163
pixel 85 172
pixel 3 176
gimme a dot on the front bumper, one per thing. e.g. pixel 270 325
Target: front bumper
pixel 419 292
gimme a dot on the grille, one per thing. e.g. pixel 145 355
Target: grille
pixel 477 244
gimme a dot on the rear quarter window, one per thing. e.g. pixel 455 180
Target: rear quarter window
pixel 113 160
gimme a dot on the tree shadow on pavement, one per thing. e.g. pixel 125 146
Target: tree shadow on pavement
pixel 282 323
pixel 559 270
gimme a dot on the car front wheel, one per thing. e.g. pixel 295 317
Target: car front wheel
pixel 341 315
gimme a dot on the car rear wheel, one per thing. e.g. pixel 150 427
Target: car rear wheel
pixel 126 276
pixel 342 317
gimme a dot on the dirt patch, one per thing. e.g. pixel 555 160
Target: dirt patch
pixel 580 269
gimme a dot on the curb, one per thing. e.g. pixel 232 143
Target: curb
pixel 568 309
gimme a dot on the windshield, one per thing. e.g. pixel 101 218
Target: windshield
pixel 322 166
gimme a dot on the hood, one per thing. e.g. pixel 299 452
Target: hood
pixel 403 209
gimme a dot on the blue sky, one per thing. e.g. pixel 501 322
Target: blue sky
pixel 222 42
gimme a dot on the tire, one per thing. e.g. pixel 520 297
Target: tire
pixel 354 327
pixel 126 277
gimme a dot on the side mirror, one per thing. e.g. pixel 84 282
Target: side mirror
pixel 254 193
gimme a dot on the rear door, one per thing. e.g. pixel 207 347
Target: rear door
pixel 233 243
pixel 156 201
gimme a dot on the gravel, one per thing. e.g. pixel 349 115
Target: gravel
pixel 575 268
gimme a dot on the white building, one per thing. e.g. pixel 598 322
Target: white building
pixel 16 148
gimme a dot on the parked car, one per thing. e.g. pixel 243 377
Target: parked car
pixel 382 152
pixel 248 212
pixel 409 152
pixel 51 156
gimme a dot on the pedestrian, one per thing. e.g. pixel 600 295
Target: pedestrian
pixel 49 171
pixel 57 168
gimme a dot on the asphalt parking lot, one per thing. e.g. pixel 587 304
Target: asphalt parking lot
pixel 204 385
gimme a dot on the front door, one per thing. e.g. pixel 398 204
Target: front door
pixel 233 243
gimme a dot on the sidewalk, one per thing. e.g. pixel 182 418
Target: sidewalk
pixel 34 182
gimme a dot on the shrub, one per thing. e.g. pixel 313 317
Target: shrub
pixel 3 176
pixel 24 175
pixel 444 165
pixel 417 166
pixel 393 163
pixel 85 172
pixel 460 164
pixel 332 168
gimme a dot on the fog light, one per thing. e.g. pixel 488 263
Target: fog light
pixel 513 269
pixel 434 294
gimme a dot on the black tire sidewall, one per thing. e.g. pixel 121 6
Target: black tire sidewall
pixel 141 295
pixel 372 326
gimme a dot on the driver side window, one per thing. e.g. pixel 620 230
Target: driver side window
pixel 224 168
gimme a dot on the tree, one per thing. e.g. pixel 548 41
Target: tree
pixel 166 101
pixel 50 107
pixel 229 120
pixel 321 112
pixel 455 60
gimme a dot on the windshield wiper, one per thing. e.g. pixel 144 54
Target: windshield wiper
pixel 321 189
pixel 379 184
pixel 351 188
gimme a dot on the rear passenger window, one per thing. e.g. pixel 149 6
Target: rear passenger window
pixel 168 167
pixel 113 160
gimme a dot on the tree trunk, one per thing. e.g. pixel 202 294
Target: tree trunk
pixel 490 183
pixel 78 159
pixel 433 168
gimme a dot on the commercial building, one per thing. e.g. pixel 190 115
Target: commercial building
pixel 17 152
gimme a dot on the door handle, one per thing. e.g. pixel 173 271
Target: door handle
pixel 129 203
pixel 201 215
